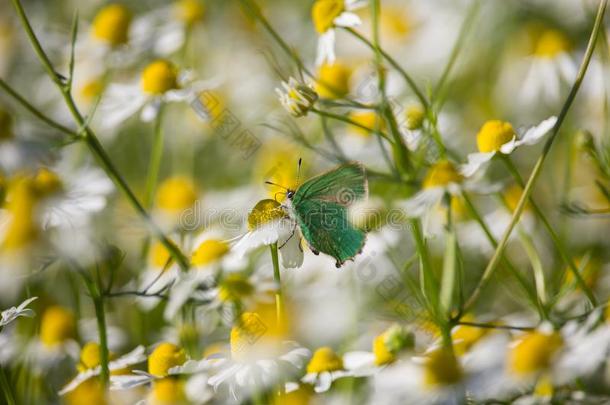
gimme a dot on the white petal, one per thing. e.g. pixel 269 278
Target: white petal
pixel 134 357
pixel 323 382
pixel 265 234
pixel 535 133
pixel 125 382
pixel 291 251
pixel 347 19
pixel 421 202
pixel 151 110
pixel 509 146
pixel 120 102
pixel 475 161
pixel 79 379
pixel 326 48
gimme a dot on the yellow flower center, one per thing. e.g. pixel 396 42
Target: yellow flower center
pixel 415 117
pixel 381 352
pixel 368 119
pixel 6 125
pixel 176 194
pixel 441 174
pixel 189 11
pixel 164 357
pixel 493 134
pixel 88 392
pixel 265 211
pixel 47 182
pixel 90 356
pixel 159 77
pixel 544 387
pixel 301 396
pixel 441 368
pixel 91 90
pixel 324 359
pixel 111 24
pixel 57 326
pixel 209 251
pixel 551 43
pixel 22 228
pixel 333 80
pixel 234 287
pixel 158 255
pixel 324 12
pixel 246 336
pixel 465 336
pixel 534 352
pixel 168 391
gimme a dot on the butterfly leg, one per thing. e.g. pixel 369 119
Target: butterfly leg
pixel 294 229
pixel 339 264
pixel 314 251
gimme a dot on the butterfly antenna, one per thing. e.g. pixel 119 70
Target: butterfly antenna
pixel 275 184
pixel 299 171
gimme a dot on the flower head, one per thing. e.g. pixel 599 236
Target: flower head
pixel 534 352
pixel 209 251
pixel 159 77
pixel 493 134
pixel 441 368
pixel 324 13
pixel 333 80
pixel 551 43
pixel 441 174
pixel 57 326
pixel 324 359
pixel 176 194
pixel 165 356
pixel 111 24
pixel 297 98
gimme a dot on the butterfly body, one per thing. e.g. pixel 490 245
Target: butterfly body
pixel 320 207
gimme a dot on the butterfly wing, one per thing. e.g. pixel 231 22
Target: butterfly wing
pixel 321 208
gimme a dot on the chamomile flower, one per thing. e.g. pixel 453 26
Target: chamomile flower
pixel 89 365
pixel 260 358
pixel 551 66
pixel 269 223
pixel 325 367
pixel 176 197
pixel 297 98
pixel 386 348
pixel 56 339
pixel 436 377
pixel 211 254
pixel 9 315
pixel 328 15
pixel 499 137
pixel 160 83
pixel 333 80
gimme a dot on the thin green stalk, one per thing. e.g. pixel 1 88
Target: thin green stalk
pixel 467 24
pixel 93 143
pixel 100 316
pixel 547 225
pixel 21 100
pixel 449 265
pixel 279 301
pixel 530 249
pixel 155 160
pixel 348 121
pixel 410 82
pixel 429 283
pixel 6 388
pixel 506 261
pixel 495 260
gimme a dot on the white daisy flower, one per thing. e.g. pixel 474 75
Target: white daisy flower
pixel 89 365
pixel 259 359
pixel 9 315
pixel 167 359
pixel 161 82
pixel 499 137
pixel 551 66
pixel 326 16
pixel 324 368
pixel 211 254
pixel 442 179
pixel 269 223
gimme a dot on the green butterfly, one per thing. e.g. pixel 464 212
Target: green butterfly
pixel 320 208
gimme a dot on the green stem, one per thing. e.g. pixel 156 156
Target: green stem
pixel 155 160
pixel 93 143
pixel 493 263
pixel 492 241
pixel 449 265
pixel 429 284
pixel 348 121
pixel 530 249
pixel 6 388
pixel 100 315
pixel 547 225
pixel 279 301
pixel 410 82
